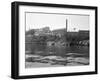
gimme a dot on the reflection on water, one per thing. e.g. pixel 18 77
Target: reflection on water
pixel 56 55
pixel 57 50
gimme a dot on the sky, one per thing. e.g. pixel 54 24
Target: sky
pixel 75 22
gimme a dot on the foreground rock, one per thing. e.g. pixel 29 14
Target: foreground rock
pixel 53 60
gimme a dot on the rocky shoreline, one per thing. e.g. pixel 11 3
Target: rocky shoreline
pixel 70 59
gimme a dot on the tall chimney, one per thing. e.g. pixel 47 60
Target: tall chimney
pixel 66 24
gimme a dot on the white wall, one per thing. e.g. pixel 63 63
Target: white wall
pixel 5 41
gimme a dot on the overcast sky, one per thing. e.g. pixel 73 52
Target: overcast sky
pixel 57 21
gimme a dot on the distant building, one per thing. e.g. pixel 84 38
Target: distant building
pixel 84 32
pixel 79 33
pixel 43 31
pixel 59 32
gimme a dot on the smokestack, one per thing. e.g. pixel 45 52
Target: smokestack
pixel 66 24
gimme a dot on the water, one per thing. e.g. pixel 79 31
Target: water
pixel 56 50
pixel 56 55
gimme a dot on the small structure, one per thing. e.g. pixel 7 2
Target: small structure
pixel 50 43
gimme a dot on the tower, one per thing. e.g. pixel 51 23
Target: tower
pixel 66 24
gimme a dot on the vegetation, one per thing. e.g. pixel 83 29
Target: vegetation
pixel 74 38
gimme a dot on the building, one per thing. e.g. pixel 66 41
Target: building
pixel 42 31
